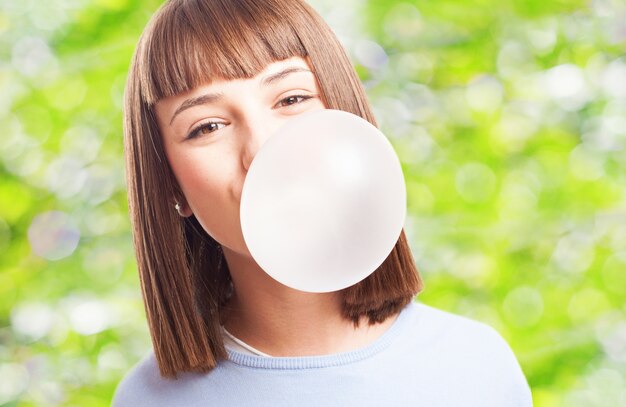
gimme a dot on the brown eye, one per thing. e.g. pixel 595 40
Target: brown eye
pixel 205 129
pixel 293 100
pixel 208 128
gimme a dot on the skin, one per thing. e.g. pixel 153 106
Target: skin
pixel 211 167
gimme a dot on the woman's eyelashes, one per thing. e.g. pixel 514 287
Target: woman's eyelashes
pixel 204 128
pixel 293 100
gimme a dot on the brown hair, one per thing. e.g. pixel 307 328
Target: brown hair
pixel 184 278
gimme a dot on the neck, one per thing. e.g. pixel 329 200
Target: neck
pixel 281 321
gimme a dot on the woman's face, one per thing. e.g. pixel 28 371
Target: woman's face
pixel 212 133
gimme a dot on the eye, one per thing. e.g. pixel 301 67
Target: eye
pixel 204 129
pixel 293 100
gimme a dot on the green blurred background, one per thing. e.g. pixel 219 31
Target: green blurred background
pixel 509 119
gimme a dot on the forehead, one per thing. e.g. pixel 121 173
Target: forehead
pixel 269 75
pixel 293 71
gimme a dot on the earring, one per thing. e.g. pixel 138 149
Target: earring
pixel 178 209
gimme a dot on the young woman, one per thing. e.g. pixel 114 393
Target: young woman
pixel 209 83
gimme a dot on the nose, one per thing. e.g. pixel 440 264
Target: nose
pixel 256 133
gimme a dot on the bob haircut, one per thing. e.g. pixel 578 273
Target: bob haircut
pixel 184 278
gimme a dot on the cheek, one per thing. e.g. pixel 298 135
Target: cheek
pixel 203 177
pixel 212 186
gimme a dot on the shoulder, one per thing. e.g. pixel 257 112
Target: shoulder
pixel 138 383
pixel 450 332
pixel 143 385
pixel 439 325
pixel 460 346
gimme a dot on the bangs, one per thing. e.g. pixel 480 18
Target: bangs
pixel 195 42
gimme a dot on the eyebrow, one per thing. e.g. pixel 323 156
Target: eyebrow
pixel 280 75
pixel 216 97
pixel 199 100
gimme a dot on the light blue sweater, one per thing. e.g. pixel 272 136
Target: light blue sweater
pixel 428 357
